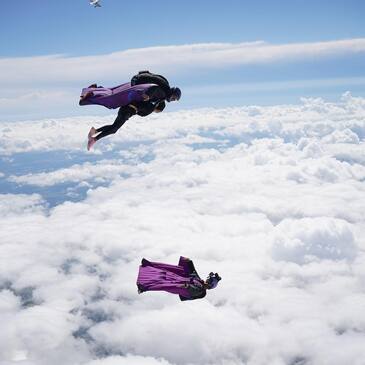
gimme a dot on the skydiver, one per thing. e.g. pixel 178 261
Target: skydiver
pixel 181 279
pixel 95 3
pixel 153 100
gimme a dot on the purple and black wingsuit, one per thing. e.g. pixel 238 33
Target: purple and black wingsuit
pixel 181 279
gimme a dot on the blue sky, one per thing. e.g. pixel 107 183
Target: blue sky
pixel 75 29
pixel 269 194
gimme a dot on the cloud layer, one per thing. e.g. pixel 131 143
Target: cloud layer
pixel 25 70
pixel 50 84
pixel 272 198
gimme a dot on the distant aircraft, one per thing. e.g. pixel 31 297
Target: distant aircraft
pixel 95 3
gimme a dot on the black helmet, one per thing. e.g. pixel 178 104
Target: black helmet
pixel 212 280
pixel 175 94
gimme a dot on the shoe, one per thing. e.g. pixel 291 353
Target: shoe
pixel 84 97
pixel 91 143
pixel 92 86
pixel 87 95
pixel 140 289
pixel 91 132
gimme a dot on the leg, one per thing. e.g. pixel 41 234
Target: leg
pixel 124 114
pixel 85 96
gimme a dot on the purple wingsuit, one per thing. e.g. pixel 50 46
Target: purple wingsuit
pixel 181 279
pixel 114 97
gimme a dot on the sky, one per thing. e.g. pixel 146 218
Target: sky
pixel 257 173
pixel 275 52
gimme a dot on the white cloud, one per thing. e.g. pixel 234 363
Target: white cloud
pixel 310 239
pixel 314 118
pixel 32 101
pixel 270 197
pixel 129 360
pixel 32 88
pixel 171 58
pixel 102 171
pixel 16 204
pixel 45 135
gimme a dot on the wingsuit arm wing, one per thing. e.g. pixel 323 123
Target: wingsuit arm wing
pixel 188 266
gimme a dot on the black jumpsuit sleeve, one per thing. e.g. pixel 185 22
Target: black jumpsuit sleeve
pixel 195 292
pixel 144 108
pixel 155 93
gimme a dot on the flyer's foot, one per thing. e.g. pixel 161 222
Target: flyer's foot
pixel 84 97
pixel 140 289
pixel 91 143
pixel 92 132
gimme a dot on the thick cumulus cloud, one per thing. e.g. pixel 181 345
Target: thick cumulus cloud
pixel 309 239
pixel 270 197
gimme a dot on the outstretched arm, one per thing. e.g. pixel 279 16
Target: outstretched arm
pixel 154 93
pixel 188 266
